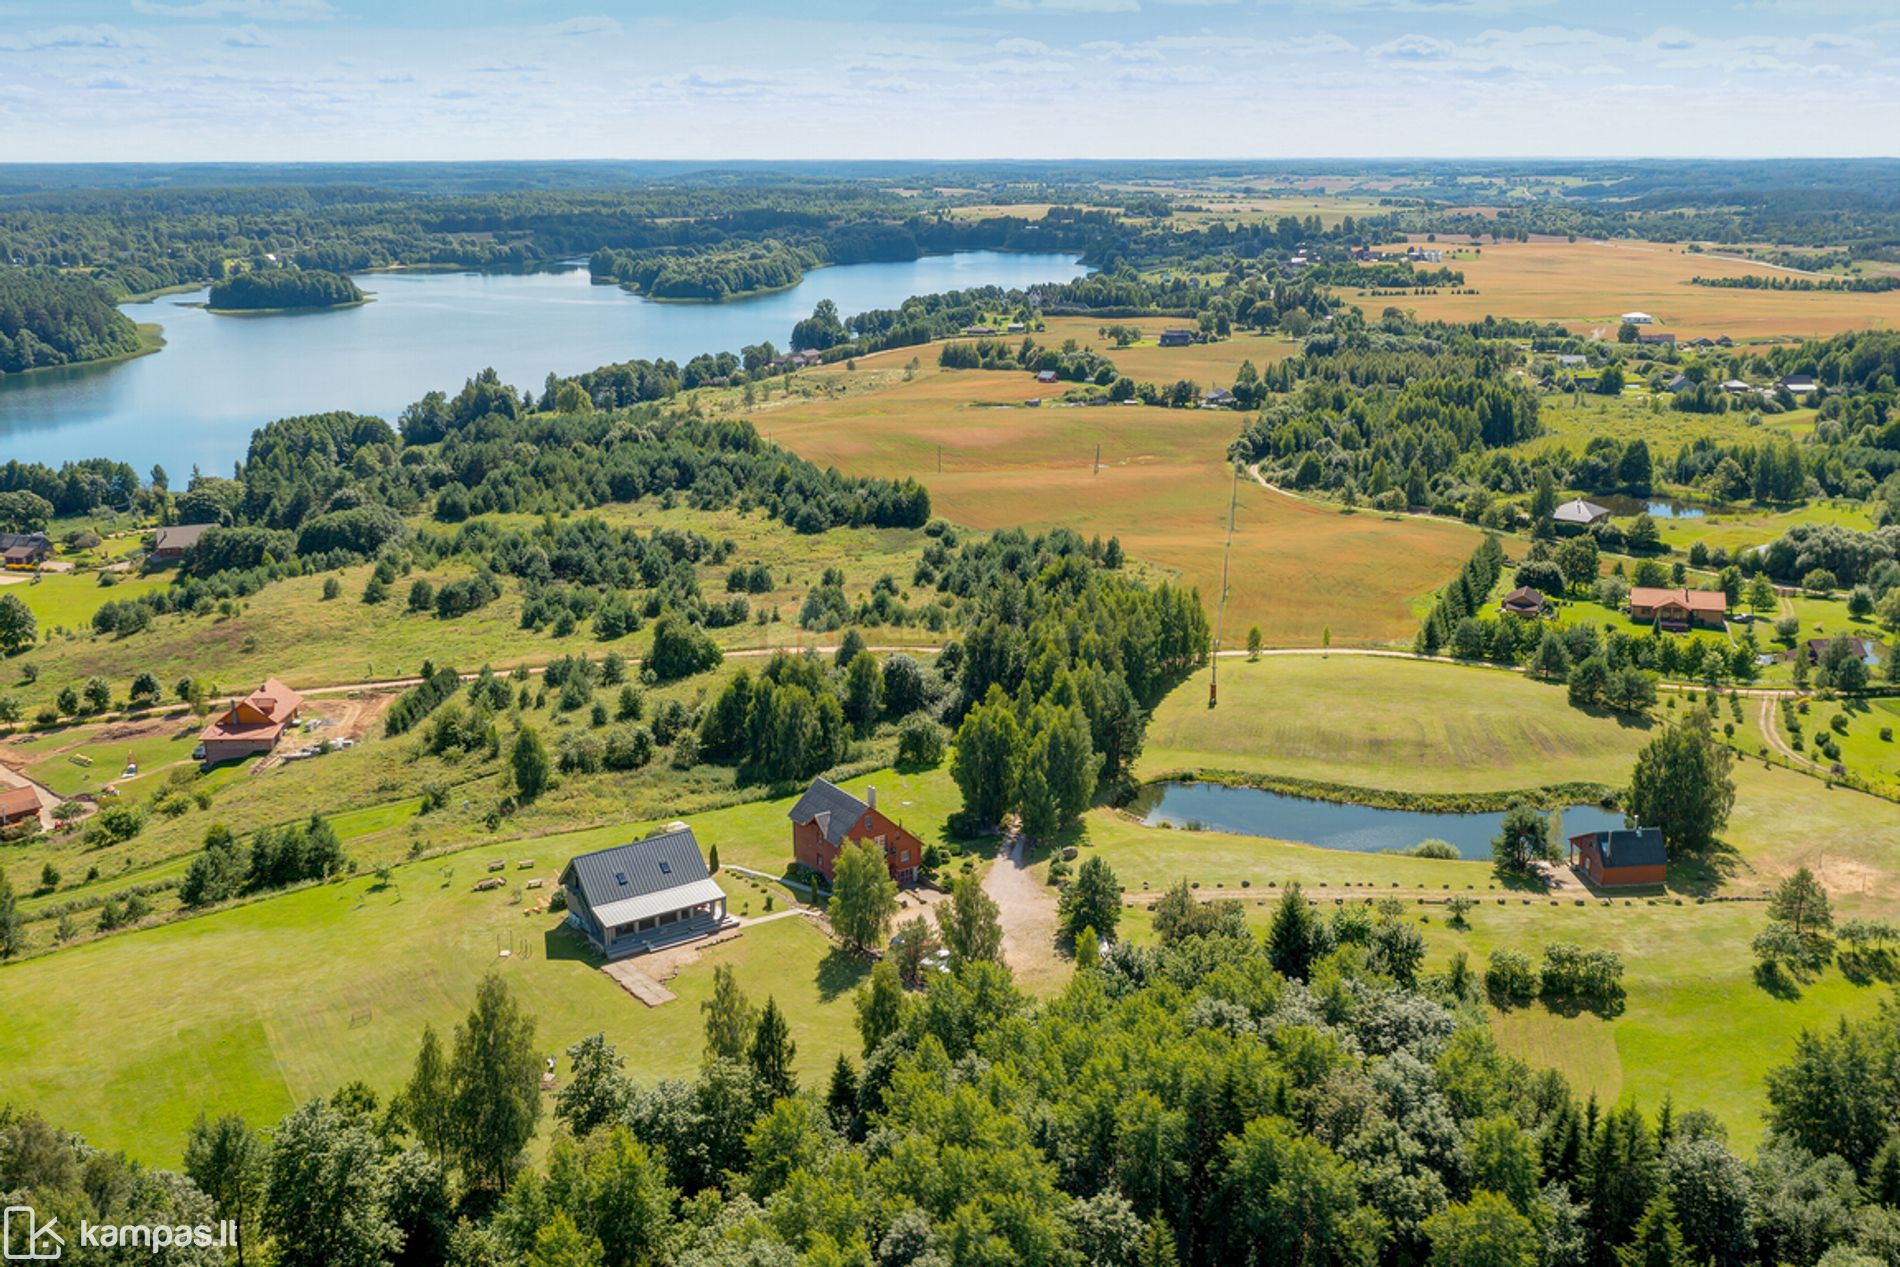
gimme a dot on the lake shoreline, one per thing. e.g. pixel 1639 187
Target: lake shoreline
pixel 151 339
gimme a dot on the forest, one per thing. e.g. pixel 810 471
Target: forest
pixel 271 288
pixel 49 319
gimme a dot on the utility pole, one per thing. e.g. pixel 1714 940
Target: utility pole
pixel 1098 459
pixel 1220 614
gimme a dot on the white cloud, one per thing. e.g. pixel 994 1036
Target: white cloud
pixel 593 24
pixel 97 36
pixel 249 10
pixel 246 37
pixel 1017 46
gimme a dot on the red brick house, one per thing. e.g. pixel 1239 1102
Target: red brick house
pixel 251 725
pixel 826 816
pixel 1611 859
pixel 1679 609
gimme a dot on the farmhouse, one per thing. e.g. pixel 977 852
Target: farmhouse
pixel 1219 398
pixel 1175 338
pixel 1678 609
pixel 973 330
pixel 1799 384
pixel 24 549
pixel 637 897
pixel 1046 376
pixel 17 805
pixel 1638 319
pixel 1570 360
pixel 172 542
pixel 251 725
pixel 1579 514
pixel 1523 601
pixel 1633 855
pixel 826 816
pixel 1680 383
pixel 1657 339
pixel 1814 648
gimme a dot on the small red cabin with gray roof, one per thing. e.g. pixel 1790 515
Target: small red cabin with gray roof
pixel 1633 855
pixel 826 816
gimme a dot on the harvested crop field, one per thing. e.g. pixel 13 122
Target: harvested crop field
pixel 1589 285
pixel 1298 569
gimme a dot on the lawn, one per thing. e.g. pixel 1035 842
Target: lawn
pixel 254 1009
pixel 1587 285
pixel 1163 486
pixel 67 600
pixel 1571 422
pixel 1382 722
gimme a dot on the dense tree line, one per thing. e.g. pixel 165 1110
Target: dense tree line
pixel 1877 284
pixel 284 288
pixel 47 319
pixel 708 273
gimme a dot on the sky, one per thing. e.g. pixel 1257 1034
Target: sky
pixel 340 80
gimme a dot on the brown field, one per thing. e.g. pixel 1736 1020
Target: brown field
pixel 1297 569
pixel 1588 285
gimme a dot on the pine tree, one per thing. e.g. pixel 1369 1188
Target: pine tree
pixel 729 1016
pixel 772 1052
pixel 1658 1241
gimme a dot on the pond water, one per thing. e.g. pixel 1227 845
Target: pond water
pixel 219 377
pixel 1656 507
pixel 1250 811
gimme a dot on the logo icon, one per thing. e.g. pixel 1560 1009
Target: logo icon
pixel 24 1239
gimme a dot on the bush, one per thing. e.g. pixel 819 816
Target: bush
pixel 1436 849
pixel 1510 978
pixel 920 741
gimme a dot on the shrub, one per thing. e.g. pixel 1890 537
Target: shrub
pixel 1510 978
pixel 920 741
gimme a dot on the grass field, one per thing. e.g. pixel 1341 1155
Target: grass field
pixel 289 631
pixel 1588 285
pixel 1164 486
pixel 1379 722
pixel 67 600
pixel 1207 364
pixel 252 1009
pixel 1571 422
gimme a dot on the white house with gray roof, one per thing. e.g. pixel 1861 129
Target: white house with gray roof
pixel 638 897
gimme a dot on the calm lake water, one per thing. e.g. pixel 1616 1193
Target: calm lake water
pixel 1249 811
pixel 220 377
pixel 1655 507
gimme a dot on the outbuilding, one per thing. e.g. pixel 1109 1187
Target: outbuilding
pixel 1624 856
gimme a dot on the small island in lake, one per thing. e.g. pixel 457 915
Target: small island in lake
pixel 284 289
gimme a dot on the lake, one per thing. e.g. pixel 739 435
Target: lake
pixel 1251 811
pixel 220 377
pixel 1654 507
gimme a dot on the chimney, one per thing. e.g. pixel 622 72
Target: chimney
pixel 870 797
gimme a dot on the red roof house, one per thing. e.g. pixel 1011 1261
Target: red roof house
pixel 1678 609
pixel 251 725
pixel 17 805
pixel 826 816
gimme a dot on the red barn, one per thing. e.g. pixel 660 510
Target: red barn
pixel 826 816
pixel 1632 855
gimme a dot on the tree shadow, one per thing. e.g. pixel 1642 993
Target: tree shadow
pixel 1705 875
pixel 1571 1006
pixel 1865 967
pixel 1774 980
pixel 840 972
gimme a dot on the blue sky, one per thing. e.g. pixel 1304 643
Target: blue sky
pixel 357 79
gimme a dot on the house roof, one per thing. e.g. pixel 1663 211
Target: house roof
pixel 15 801
pixel 1578 511
pixel 831 807
pixel 26 540
pixel 266 711
pixel 1524 596
pixel 1693 600
pixel 1628 846
pixel 630 882
pixel 179 536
